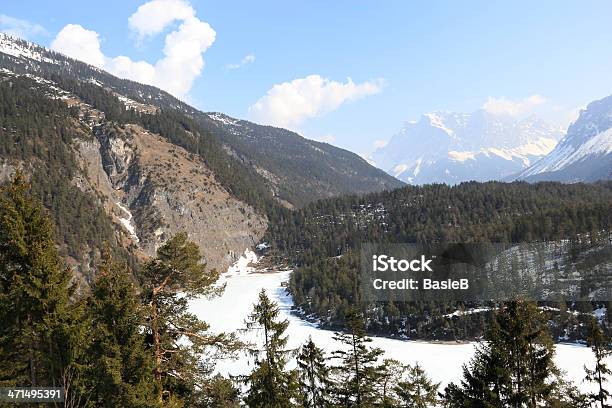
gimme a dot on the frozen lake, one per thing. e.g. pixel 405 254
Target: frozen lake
pixel 443 362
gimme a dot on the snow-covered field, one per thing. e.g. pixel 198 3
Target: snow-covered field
pixel 441 361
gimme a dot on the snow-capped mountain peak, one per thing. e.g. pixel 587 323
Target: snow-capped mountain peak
pixel 584 154
pixel 452 147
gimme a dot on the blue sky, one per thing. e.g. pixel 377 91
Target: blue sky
pixel 404 58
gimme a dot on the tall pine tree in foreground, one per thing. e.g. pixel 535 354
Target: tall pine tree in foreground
pixel 179 340
pixel 599 375
pixel 35 315
pixel 270 384
pixel 513 367
pixel 121 367
pixel 313 376
pixel 358 373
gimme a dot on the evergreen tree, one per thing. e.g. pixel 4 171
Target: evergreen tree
pixel 179 368
pixel 313 376
pixel 600 344
pixel 513 367
pixel 391 372
pixel 121 367
pixel 220 392
pixel 416 390
pixel 358 373
pixel 565 395
pixel 271 386
pixel 35 315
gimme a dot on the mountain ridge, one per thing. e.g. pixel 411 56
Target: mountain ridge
pixel 331 178
pixel 585 154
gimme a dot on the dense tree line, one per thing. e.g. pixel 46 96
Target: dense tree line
pixel 323 241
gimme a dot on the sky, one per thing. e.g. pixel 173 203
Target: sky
pixel 346 72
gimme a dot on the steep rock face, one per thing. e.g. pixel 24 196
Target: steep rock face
pixel 449 147
pixel 116 153
pixel 585 154
pixel 153 190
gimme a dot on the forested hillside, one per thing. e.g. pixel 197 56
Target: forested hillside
pixel 323 241
pixel 294 169
pixel 55 131
pixel 37 131
pixel 88 140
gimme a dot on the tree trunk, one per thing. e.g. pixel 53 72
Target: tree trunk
pixel 158 351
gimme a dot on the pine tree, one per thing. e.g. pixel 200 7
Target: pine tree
pixel 417 390
pixel 220 392
pixel 600 344
pixel 391 373
pixel 513 367
pixel 358 373
pixel 566 395
pixel 271 386
pixel 179 368
pixel 35 315
pixel 121 368
pixel 313 376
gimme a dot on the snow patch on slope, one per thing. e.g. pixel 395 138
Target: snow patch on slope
pixel 399 169
pixel 224 119
pixel 243 265
pixel 524 153
pixel 436 121
pixel 8 45
pixel 127 221
pixel 461 156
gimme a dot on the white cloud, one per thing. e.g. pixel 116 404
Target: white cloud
pixel 290 103
pixel 183 51
pixel 248 59
pixel 17 27
pixel 152 17
pixel 503 106
pixel 79 43
pixel 380 143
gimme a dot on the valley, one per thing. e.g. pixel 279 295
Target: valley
pixel 443 360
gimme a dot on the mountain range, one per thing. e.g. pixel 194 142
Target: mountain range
pixel 450 147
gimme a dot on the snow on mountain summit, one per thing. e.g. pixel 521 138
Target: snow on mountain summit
pixel 451 147
pixel 22 49
pixel 585 154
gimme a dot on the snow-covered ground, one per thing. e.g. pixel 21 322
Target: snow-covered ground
pixel 442 362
